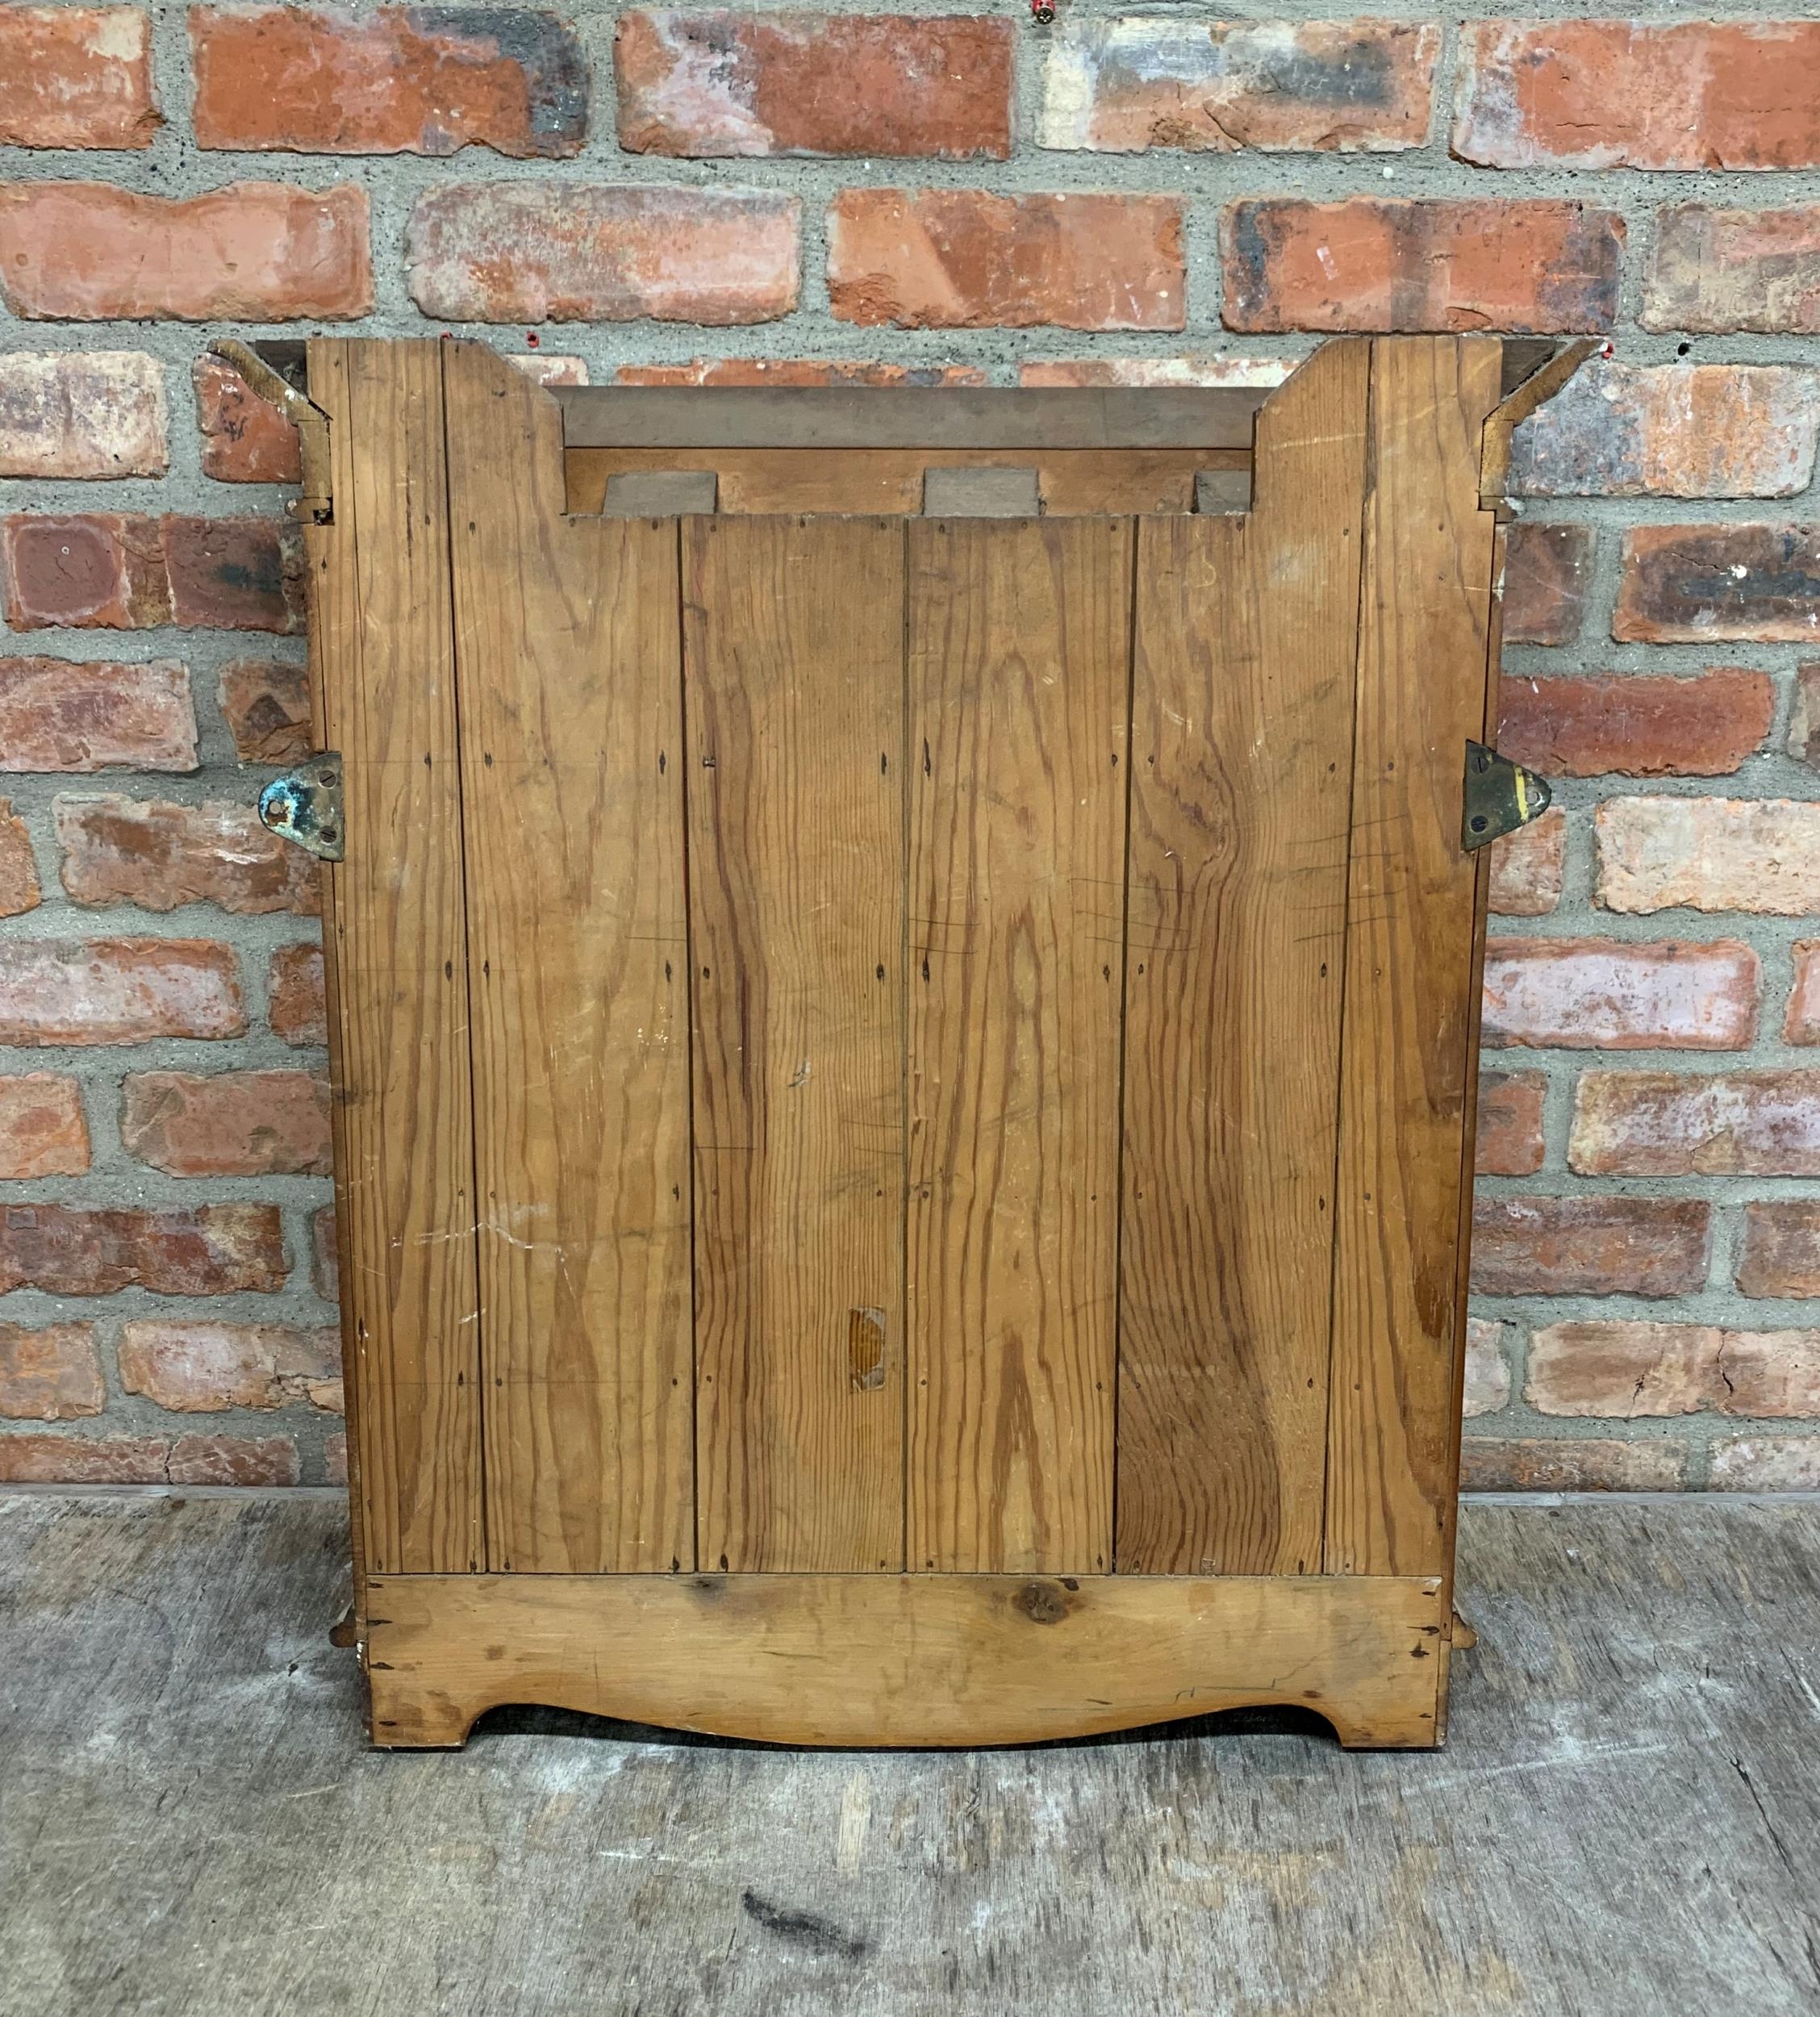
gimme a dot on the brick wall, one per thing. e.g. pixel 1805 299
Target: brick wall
pixel 1121 199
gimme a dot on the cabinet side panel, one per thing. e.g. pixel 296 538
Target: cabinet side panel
pixel 1241 724
pixel 393 932
pixel 1406 1050
pixel 570 669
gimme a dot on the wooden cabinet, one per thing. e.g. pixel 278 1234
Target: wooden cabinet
pixel 903 1015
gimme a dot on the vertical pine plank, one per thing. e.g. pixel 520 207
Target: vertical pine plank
pixel 794 651
pixel 567 638
pixel 382 661
pixel 1406 1050
pixel 1241 720
pixel 1019 663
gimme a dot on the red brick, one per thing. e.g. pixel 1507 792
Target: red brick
pixel 85 991
pixel 1712 271
pixel 197 1459
pixel 294 988
pixel 98 570
pixel 1710 854
pixel 227 1123
pixel 1368 263
pixel 66 1460
pixel 1604 994
pixel 575 251
pixel 1547 575
pixel 1804 716
pixel 325 1272
pixel 1637 724
pixel 797 371
pixel 966 259
pixel 1529 867
pixel 1765 1464
pixel 18 867
pixel 1625 93
pixel 43 1132
pixel 1091 372
pixel 1566 1464
pixel 1780 1253
pixel 200 1368
pixel 245 439
pixel 266 705
pixel 50 1374
pixel 708 81
pixel 161 856
pixel 76 76
pixel 1692 584
pixel 1509 1139
pixel 1124 86
pixel 398 81
pixel 207 1250
pixel 253 252
pixel 335 1459
pixel 1661 1369
pixel 235 574
pixel 61 714
pixel 1487 1373
pixel 81 414
pixel 1659 1124
pixel 1678 430
pixel 1801 1024
pixel 1590 1246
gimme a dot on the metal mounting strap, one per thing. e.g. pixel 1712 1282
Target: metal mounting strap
pixel 1499 797
pixel 304 806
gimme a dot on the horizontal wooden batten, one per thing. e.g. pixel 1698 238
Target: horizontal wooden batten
pixel 906 1661
pixel 840 417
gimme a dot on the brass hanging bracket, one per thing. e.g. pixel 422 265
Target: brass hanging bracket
pixel 304 807
pixel 315 506
pixel 1499 797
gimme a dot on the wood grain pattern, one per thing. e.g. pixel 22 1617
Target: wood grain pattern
pixel 568 637
pixel 1245 642
pixel 1019 706
pixel 890 1660
pixel 383 674
pixel 1406 1051
pixel 793 646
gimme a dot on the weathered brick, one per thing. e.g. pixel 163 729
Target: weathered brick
pixel 797 371
pixel 1123 85
pixel 1781 1252
pixel 1488 1372
pixel 573 252
pixel 325 1272
pixel 1712 271
pixel 1509 1137
pixel 81 414
pixel 205 1250
pixel 335 1459
pixel 1765 1463
pixel 1761 855
pixel 86 991
pixel 199 1367
pixel 235 574
pixel 550 367
pixel 1802 1023
pixel 1590 1246
pixel 1691 584
pixel 227 1123
pixel 1678 430
pixel 199 1459
pixel 708 81
pixel 245 439
pixel 76 76
pixel 1606 994
pixel 1547 576
pixel 1636 725
pixel 1529 867
pixel 965 258
pixel 1534 265
pixel 67 1460
pixel 1089 371
pixel 1551 1463
pixel 398 81
pixel 266 704
pixel 1804 716
pixel 95 571
pixel 1625 94
pixel 294 991
pixel 18 867
pixel 50 1374
pixel 253 252
pixel 161 856
pixel 43 1132
pixel 1624 1369
pixel 60 714
pixel 1659 1124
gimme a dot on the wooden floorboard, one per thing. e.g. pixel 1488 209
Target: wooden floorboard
pixel 190 1824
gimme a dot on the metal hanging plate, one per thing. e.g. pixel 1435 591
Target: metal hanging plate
pixel 1499 797
pixel 304 805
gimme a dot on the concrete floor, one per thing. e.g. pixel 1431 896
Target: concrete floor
pixel 1626 1822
